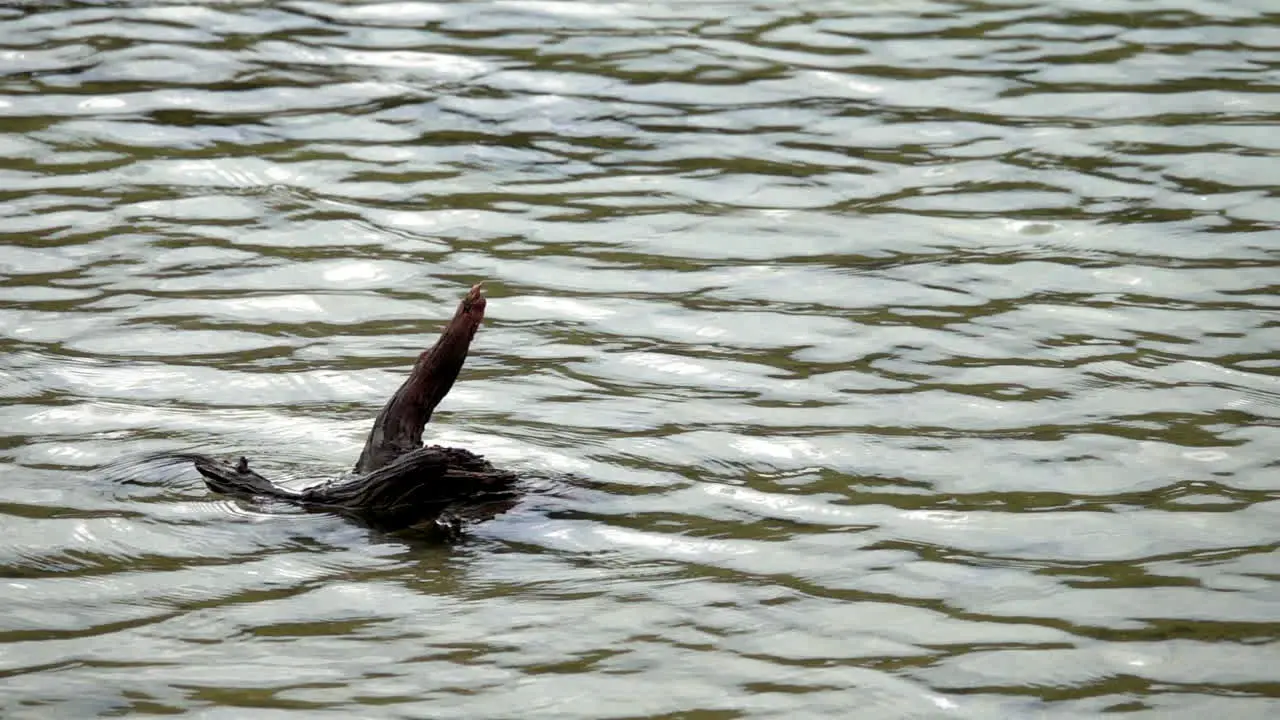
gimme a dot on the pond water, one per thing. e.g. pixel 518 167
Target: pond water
pixel 909 359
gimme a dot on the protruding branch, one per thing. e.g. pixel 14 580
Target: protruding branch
pixel 398 428
pixel 398 483
pixel 237 479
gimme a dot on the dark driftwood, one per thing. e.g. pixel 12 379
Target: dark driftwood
pixel 397 482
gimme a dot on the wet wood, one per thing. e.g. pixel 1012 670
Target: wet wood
pixel 396 482
pixel 398 428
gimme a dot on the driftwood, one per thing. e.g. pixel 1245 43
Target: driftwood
pixel 396 483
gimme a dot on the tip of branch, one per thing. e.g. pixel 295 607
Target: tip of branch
pixel 474 302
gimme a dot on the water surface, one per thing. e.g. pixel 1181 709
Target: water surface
pixel 898 359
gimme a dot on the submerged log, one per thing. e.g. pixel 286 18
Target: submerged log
pixel 397 482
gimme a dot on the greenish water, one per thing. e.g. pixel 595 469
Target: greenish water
pixel 884 360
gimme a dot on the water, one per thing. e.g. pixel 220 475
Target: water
pixel 912 357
